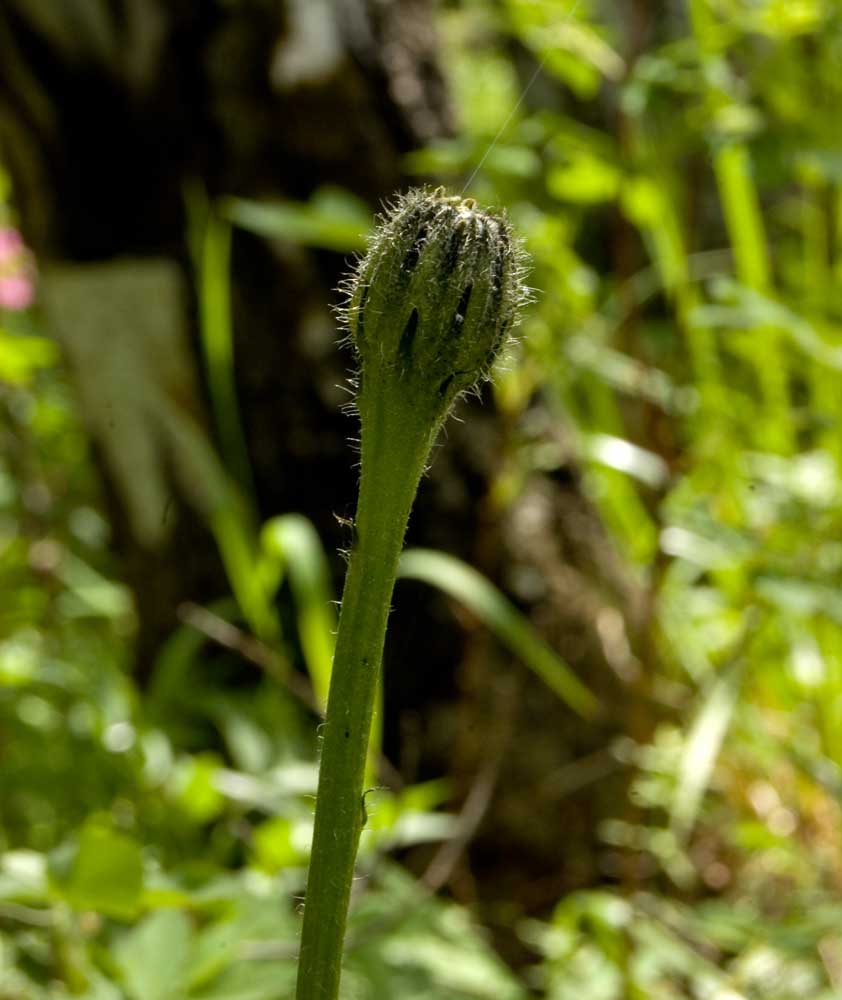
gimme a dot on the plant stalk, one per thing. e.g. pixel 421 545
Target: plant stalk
pixel 393 457
pixel 428 310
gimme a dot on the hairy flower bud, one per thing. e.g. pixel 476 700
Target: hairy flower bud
pixel 433 300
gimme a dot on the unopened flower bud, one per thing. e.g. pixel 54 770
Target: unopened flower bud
pixel 433 300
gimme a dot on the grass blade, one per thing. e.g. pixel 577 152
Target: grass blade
pixel 293 539
pixel 496 612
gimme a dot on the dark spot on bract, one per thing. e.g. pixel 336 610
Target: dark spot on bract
pixel 414 252
pixel 412 218
pixel 451 254
pixel 461 311
pixel 408 337
pixel 347 734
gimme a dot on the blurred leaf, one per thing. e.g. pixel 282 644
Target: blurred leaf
pixel 426 948
pixel 292 540
pixel 154 957
pixel 21 357
pixel 273 844
pixel 196 787
pixel 90 592
pixel 100 988
pixel 122 326
pixel 408 818
pixel 235 538
pixel 252 981
pixel 333 219
pixel 584 180
pixel 106 873
pixel 472 589
pixel 23 875
pixel 225 961
pixel 702 746
pixel 216 328
pixel 626 457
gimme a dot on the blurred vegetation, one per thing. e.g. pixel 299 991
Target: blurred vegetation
pixel 680 192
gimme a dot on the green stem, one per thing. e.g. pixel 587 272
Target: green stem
pixel 429 307
pixel 395 449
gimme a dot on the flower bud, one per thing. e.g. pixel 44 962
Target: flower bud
pixel 432 302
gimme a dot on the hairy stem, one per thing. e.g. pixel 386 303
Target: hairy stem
pixel 394 453
pixel 429 307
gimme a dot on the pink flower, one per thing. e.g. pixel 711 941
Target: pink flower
pixel 17 271
pixel 11 243
pixel 16 292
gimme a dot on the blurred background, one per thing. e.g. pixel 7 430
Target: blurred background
pixel 609 757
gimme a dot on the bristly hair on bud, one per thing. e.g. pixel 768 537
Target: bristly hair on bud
pixel 433 300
